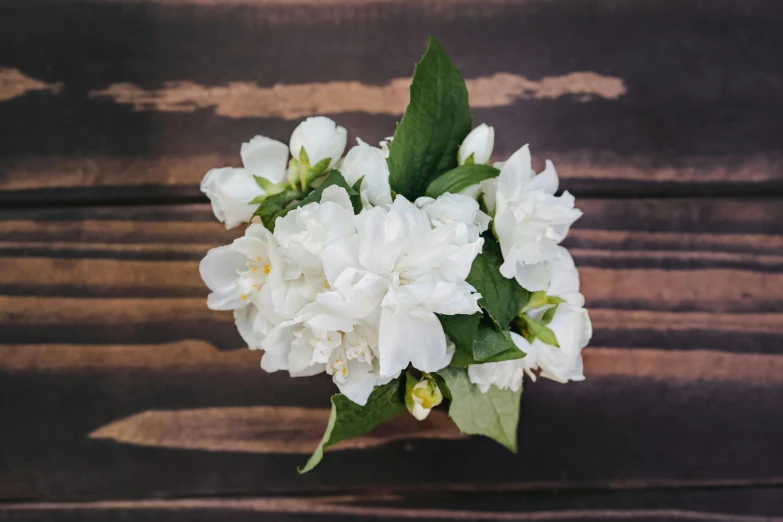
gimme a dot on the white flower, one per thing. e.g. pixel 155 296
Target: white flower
pixel 303 232
pixel 399 262
pixel 231 190
pixel 570 324
pixel 368 164
pixel 529 220
pixel 573 329
pixel 323 339
pixel 505 375
pixel 455 208
pixel 479 144
pixel 321 138
pixel 253 270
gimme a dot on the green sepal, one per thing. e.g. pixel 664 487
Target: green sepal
pixel 533 329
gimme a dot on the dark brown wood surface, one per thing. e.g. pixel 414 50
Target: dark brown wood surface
pixel 122 397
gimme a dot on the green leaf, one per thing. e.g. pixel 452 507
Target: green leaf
pixel 272 205
pixel 462 330
pixel 334 178
pixel 502 298
pixel 457 180
pixel 478 340
pixel 435 122
pixel 491 343
pixel 494 414
pixel 348 419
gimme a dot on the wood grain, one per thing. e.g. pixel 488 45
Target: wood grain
pixel 749 505
pixel 667 134
pixel 58 401
pixel 687 274
pixel 262 429
pixel 124 398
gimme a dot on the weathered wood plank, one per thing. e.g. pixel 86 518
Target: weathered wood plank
pixel 703 505
pixel 687 274
pixel 628 414
pixel 115 129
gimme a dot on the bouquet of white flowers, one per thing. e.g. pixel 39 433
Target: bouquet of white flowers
pixel 408 272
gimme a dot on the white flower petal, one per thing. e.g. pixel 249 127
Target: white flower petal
pixel 266 158
pixel 414 337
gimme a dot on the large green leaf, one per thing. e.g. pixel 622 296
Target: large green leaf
pixel 462 330
pixel 478 340
pixel 492 343
pixel 502 298
pixel 457 180
pixel 494 414
pixel 434 124
pixel 348 419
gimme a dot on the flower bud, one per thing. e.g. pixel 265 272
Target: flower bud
pixel 230 191
pixel 421 395
pixel 477 146
pixel 321 139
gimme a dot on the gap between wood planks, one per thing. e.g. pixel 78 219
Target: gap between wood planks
pixel 172 196
pixel 390 502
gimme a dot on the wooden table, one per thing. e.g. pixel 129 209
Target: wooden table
pixel 123 398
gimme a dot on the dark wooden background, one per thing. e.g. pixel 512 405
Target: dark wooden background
pixel 123 398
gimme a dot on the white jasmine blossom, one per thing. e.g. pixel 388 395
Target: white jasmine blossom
pixel 362 297
pixel 322 340
pixel 399 262
pixel 321 138
pixel 368 164
pixel 529 220
pixel 477 146
pixel 573 329
pixel 230 190
pixel 455 208
pixel 252 270
pixel 303 232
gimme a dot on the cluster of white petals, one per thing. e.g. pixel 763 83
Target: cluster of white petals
pixel 357 296
pixel 570 324
pixel 530 222
pixel 351 295
pixel 230 190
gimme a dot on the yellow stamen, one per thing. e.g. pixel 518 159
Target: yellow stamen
pixel 267 268
pixel 345 370
pixel 255 269
pixel 244 296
